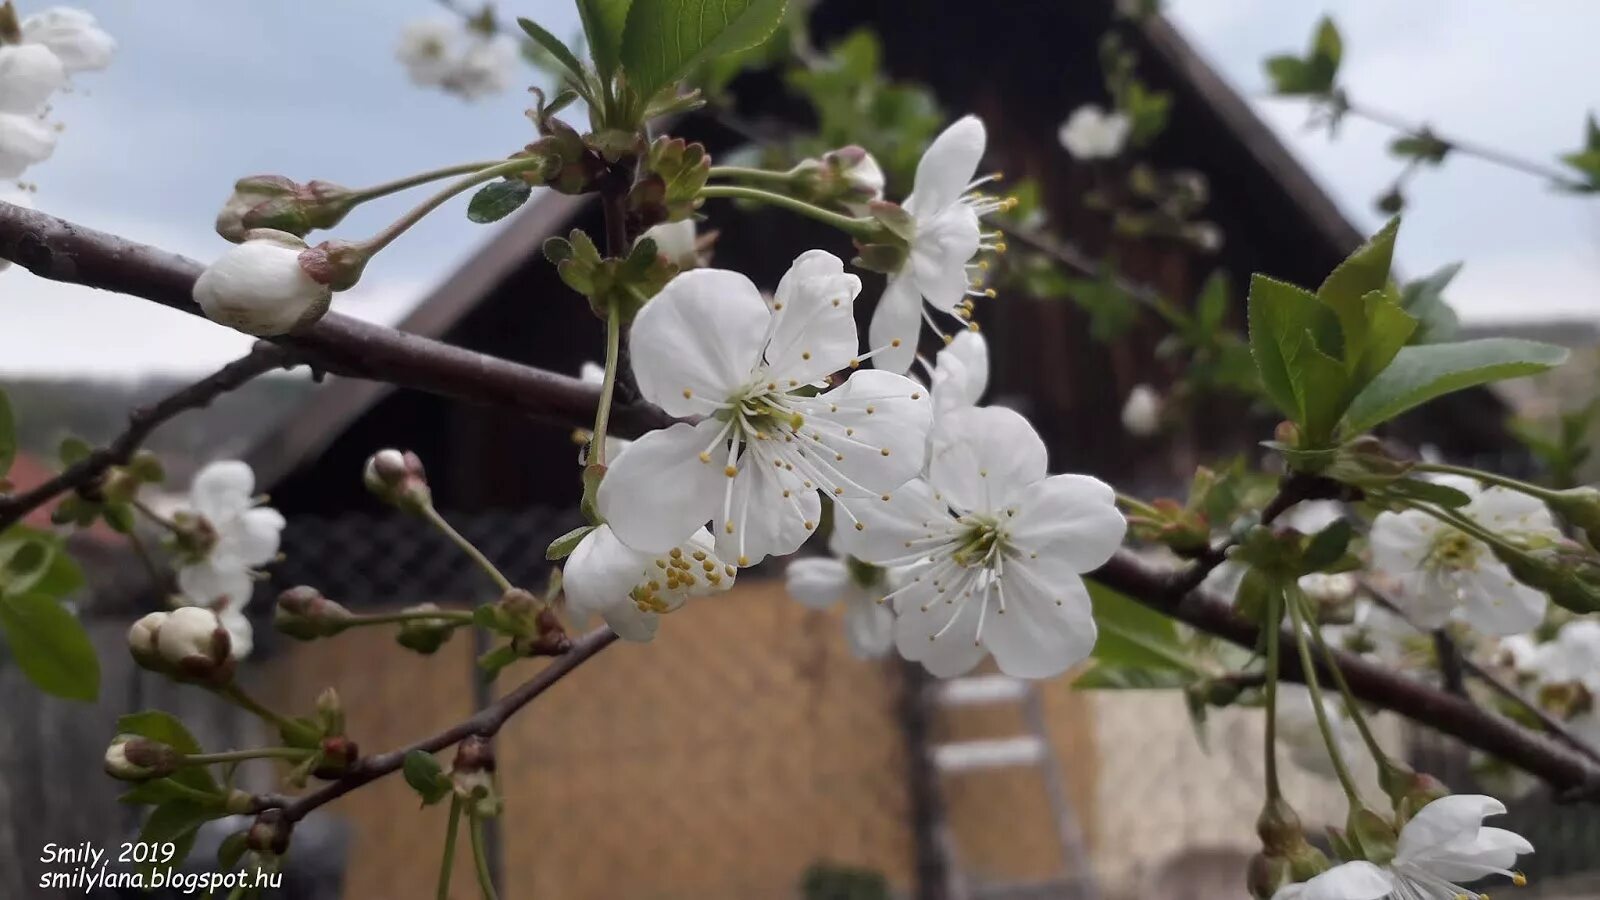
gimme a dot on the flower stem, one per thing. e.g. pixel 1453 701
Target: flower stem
pixel 145 510
pixel 410 181
pixel 1274 637
pixel 1532 490
pixel 286 726
pixel 206 759
pixel 602 413
pixel 399 226
pixel 1291 596
pixel 1469 526
pixel 445 865
pixel 480 859
pixel 410 615
pixel 850 226
pixel 467 547
pixel 749 174
pixel 1134 504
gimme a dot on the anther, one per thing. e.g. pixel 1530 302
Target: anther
pixel 730 471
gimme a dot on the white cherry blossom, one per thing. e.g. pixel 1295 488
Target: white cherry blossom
pixel 993 548
pixel 260 286
pixel 72 35
pixel 819 582
pixel 630 589
pixel 1141 412
pixel 1444 846
pixel 1092 133
pixel 1300 734
pixel 244 536
pixel 24 141
pixel 709 345
pixel 944 210
pixel 427 50
pixel 1307 517
pixel 1438 572
pixel 450 55
pixel 677 241
pixel 29 75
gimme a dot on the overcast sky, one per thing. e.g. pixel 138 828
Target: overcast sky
pixel 204 91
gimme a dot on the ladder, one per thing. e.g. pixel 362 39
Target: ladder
pixel 1031 749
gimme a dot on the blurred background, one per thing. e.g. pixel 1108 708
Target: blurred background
pixel 746 753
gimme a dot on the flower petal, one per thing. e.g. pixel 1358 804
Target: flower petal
pixel 984 458
pixel 215 586
pixel 1504 510
pixel 947 167
pixel 702 334
pixel 71 34
pixel 24 140
pixel 223 490
pixel 1490 851
pixel 814 325
pixel 1354 880
pixel 1072 518
pixel 601 572
pixel 961 371
pixel 1495 603
pixel 29 74
pixel 1047 626
pixel 658 491
pixel 1400 541
pixel 911 513
pixel 876 426
pixel 250 538
pixel 771 511
pixel 917 634
pixel 817 582
pixel 241 636
pixel 1444 821
pixel 868 626
pixel 939 255
pixel 897 317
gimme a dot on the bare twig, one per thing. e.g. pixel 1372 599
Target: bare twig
pixel 1465 148
pixel 55 249
pixel 262 358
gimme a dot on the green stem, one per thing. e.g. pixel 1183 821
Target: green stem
pixel 1274 635
pixel 602 413
pixel 1323 724
pixel 1532 490
pixel 145 510
pixel 852 227
pixel 1367 737
pixel 1469 526
pixel 480 859
pixel 227 756
pixel 410 181
pixel 410 615
pixel 443 893
pixel 467 547
pixel 204 798
pixel 236 695
pixel 1139 506
pixel 385 237
pixel 748 174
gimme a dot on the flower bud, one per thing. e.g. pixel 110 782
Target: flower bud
pixel 134 758
pixel 472 775
pixel 396 477
pixel 338 754
pixel 142 641
pixel 1141 414
pixel 1371 835
pixel 330 710
pixel 676 241
pixel 193 643
pixel 269 833
pixel 849 177
pixel 1580 507
pixel 1279 827
pixel 1266 875
pixel 304 614
pixel 261 287
pixel 425 635
pixel 277 203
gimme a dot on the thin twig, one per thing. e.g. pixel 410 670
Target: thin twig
pixel 1465 148
pixel 262 358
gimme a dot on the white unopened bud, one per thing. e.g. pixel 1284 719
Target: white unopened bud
pixel 861 172
pixel 134 758
pixel 260 286
pixel 142 639
pixel 194 643
pixel 675 241
pixel 29 74
pixel 1141 414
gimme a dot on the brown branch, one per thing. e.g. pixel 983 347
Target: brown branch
pixel 485 723
pixel 55 249
pixel 262 358
pixel 62 251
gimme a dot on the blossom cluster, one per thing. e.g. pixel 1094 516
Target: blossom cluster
pixel 55 43
pixel 457 57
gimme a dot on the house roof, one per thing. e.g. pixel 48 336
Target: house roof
pixel 337 404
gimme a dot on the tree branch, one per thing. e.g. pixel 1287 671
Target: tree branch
pixel 55 249
pixel 485 723
pixel 338 344
pixel 262 358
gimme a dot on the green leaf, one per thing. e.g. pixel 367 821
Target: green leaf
pixel 1424 300
pixel 26 556
pixel 1428 492
pixel 50 646
pixel 1315 72
pixel 1422 372
pixel 1102 676
pixel 168 729
pixel 554 47
pixel 8 435
pixel 1347 286
pixel 1327 547
pixel 1281 318
pixel 1133 636
pixel 664 39
pixel 603 21
pixel 175 822
pixel 73 450
pixel 495 201
pixel 562 547
pixel 423 772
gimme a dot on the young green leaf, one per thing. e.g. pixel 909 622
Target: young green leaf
pixel 1282 319
pixel 1346 287
pixel 175 822
pixel 1420 373
pixel 1423 299
pixel 1134 637
pixel 664 39
pixel 1585 162
pixel 1327 547
pixel 553 45
pixel 1314 73
pixel 423 772
pixel 497 200
pixel 603 21
pixel 50 646
pixel 1102 677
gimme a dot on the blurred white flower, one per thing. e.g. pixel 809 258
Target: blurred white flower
pixel 450 55
pixel 944 209
pixel 993 550
pixel 960 372
pixel 260 286
pixel 1141 413
pixel 24 140
pixel 819 582
pixel 1092 133
pixel 1299 732
pixel 72 35
pixel 1438 571
pixel 242 536
pixel 630 589
pixel 29 75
